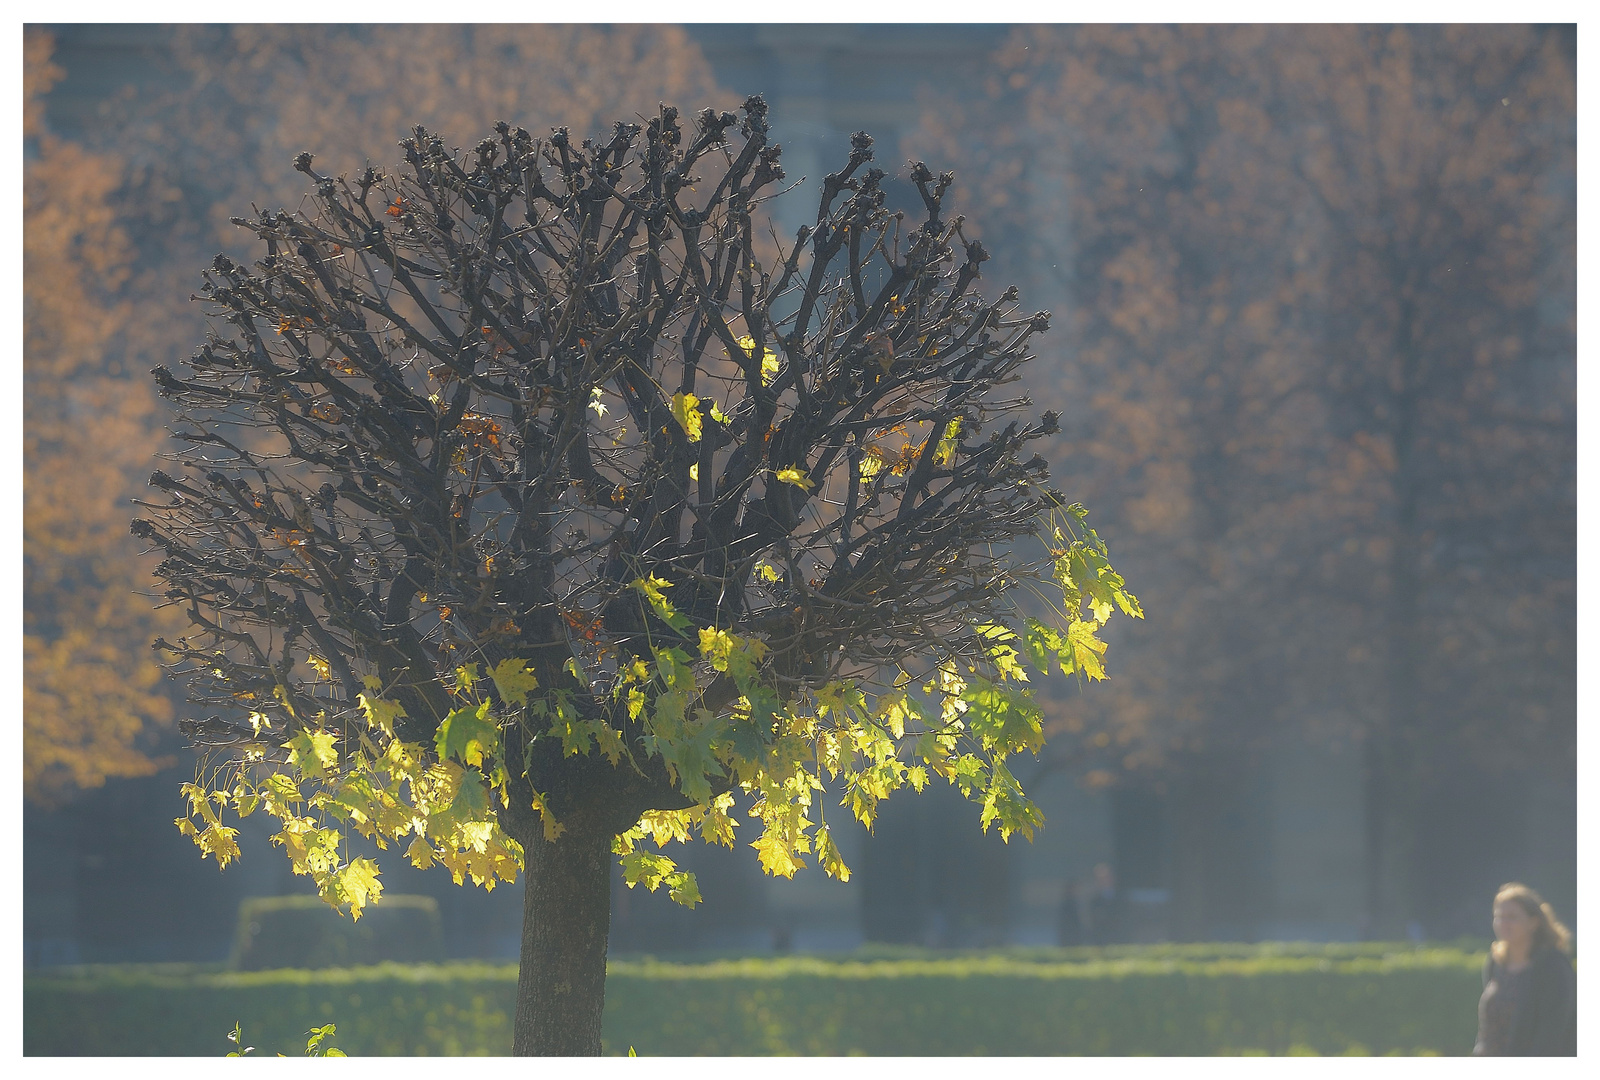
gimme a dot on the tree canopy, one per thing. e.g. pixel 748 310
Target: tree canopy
pixel 520 496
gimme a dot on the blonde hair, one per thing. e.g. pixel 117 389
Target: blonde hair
pixel 1548 931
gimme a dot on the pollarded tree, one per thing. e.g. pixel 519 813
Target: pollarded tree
pixel 525 512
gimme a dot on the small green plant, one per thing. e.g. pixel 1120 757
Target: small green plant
pixel 314 1047
pixel 238 1041
pixel 314 1044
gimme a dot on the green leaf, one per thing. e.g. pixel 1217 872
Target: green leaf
pixel 317 1035
pixel 686 745
pixel 1045 648
pixel 650 588
pixel 237 1038
pixel 468 734
pixel 683 889
pixel 739 656
pixel 844 699
pixel 1005 720
pixel 472 798
pixel 646 868
pixel 1005 805
pixel 673 666
pixel 967 772
pixel 512 680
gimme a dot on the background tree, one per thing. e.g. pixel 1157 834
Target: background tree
pixel 1441 162
pixel 527 510
pixel 91 694
pixel 1319 376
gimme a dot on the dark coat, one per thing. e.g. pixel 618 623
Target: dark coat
pixel 1529 1013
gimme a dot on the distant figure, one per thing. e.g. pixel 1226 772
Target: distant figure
pixel 1529 1002
pixel 1105 907
pixel 1069 921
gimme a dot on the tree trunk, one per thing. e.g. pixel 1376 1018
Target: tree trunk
pixel 1390 762
pixel 566 920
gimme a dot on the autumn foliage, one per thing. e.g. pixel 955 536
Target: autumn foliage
pixel 91 688
pixel 1318 371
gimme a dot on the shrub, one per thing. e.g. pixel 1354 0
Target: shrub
pixel 304 932
pixel 1164 1000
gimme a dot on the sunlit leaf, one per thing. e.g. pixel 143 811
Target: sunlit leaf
pixel 686 411
pixel 513 679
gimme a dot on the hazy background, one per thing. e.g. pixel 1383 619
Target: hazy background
pixel 1314 346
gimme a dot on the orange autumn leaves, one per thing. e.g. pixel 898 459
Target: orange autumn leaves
pixel 91 691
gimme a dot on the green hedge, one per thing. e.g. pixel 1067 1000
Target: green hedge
pixel 304 932
pixel 1182 1000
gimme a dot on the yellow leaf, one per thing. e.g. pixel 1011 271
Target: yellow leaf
pixel 871 462
pixel 777 848
pixel 686 411
pixel 552 828
pixel 312 752
pixel 380 714
pixel 514 678
pixel 219 840
pixel 828 856
pixel 355 884
pixel 769 359
pixel 796 477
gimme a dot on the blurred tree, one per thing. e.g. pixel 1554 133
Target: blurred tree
pixel 1442 162
pixel 91 689
pixel 1320 377
pixel 251 97
pixel 523 507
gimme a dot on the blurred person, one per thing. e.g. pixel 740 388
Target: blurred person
pixel 1529 1002
pixel 1070 919
pixel 1106 906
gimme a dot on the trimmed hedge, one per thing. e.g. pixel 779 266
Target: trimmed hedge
pixel 304 932
pixel 1179 1000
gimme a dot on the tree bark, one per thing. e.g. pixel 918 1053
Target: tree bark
pixel 566 921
